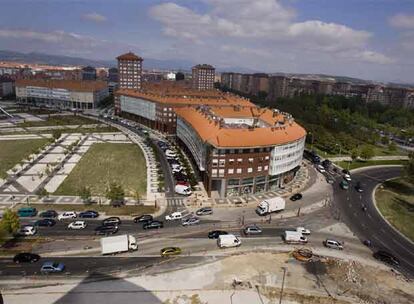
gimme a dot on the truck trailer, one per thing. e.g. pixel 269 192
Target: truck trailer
pixel 268 206
pixel 118 244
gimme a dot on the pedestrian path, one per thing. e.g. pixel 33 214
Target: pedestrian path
pixel 175 202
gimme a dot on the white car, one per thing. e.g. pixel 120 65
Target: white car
pixel 176 166
pixel 347 177
pixel 170 153
pixel 177 169
pixel 321 169
pixel 67 215
pixel 27 230
pixel 303 230
pixel 77 225
pixel 174 216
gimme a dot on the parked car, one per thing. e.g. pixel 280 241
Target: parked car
pixel 170 153
pixel 143 218
pixel 170 251
pixel 183 183
pixel 26 257
pixel 77 225
pixel 334 244
pixel 216 233
pixel 153 225
pixel 345 171
pixel 344 185
pixel 113 220
pixel 190 221
pixel 386 257
pixel 296 197
pixel 303 230
pixel 204 211
pixel 52 267
pixel 117 203
pixel 347 177
pixel 359 188
pixel 183 190
pixel 27 212
pixel 89 214
pixel 27 230
pixel 106 230
pixel 48 213
pixel 320 168
pixel 330 180
pixel 47 222
pixel 177 170
pixel 252 229
pixel 174 216
pixel 67 215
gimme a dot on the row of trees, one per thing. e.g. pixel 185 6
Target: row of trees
pixel 9 224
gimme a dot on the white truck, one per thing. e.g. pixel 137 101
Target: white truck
pixel 270 205
pixel 294 237
pixel 228 240
pixel 118 244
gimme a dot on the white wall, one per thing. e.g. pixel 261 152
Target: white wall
pixel 286 157
pixel 138 107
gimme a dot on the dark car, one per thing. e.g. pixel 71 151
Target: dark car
pixel 326 163
pixel 47 222
pixel 111 221
pixel 106 229
pixel 89 214
pixel 386 257
pixel 153 225
pixel 173 161
pixel 345 171
pixel 216 233
pixel 359 188
pixel 26 257
pixel 204 211
pixel 48 213
pixel 118 203
pixel 143 218
pixel 296 197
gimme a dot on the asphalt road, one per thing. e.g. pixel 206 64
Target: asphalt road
pixel 369 225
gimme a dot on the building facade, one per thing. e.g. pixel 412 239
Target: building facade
pixel 62 94
pixel 88 73
pixel 130 71
pixel 203 77
pixel 6 86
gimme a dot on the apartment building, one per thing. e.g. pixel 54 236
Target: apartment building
pixel 203 76
pixel 6 86
pixel 62 94
pixel 130 71
pixel 88 73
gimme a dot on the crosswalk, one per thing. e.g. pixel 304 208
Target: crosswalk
pixel 175 202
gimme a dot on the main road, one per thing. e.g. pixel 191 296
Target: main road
pixel 369 224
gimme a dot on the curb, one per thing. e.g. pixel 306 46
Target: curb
pixel 373 167
pixel 383 217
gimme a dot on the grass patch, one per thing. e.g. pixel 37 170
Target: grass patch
pixel 396 203
pixel 105 163
pixel 359 164
pixel 133 210
pixel 79 129
pixel 14 151
pixel 59 121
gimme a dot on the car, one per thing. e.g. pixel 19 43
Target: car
pixel 334 244
pixel 359 188
pixel 106 229
pixel 26 257
pixel 345 171
pixel 296 197
pixel 173 161
pixel 47 222
pixel 174 216
pixel 252 229
pixel 27 230
pixel 27 212
pixel 204 211
pixel 183 183
pixel 117 203
pixel 170 153
pixel 52 267
pixel 143 218
pixel 67 215
pixel 386 257
pixel 303 230
pixel 112 221
pixel 77 225
pixel 153 225
pixel 326 164
pixel 89 214
pixel 216 233
pixel 190 221
pixel 167 251
pixel 330 180
pixel 176 170
pixel 48 213
pixel 344 185
pixel 320 168
pixel 347 177
pixel 176 166
pixel 48 199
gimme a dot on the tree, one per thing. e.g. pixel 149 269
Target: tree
pixel 367 152
pixel 354 154
pixel 115 192
pixel 56 134
pixel 137 196
pixel 85 194
pixel 392 146
pixel 409 167
pixel 42 192
pixel 10 222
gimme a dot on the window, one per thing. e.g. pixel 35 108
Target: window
pixel 230 171
pixel 266 167
pixel 215 162
pixel 239 160
pixel 221 172
pixel 259 169
pixel 231 161
pixel 222 162
pixel 267 158
pixel 249 170
pixel 239 171
pixel 250 160
pixel 214 172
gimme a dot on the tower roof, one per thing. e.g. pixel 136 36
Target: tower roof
pixel 129 56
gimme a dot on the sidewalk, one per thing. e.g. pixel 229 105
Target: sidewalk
pixel 389 157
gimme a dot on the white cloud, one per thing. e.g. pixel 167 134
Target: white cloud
pixel 402 21
pixel 94 17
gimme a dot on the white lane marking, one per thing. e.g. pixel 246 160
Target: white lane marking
pixel 369 215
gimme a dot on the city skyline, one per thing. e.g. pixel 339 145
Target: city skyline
pixel 358 38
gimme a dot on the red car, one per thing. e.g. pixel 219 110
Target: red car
pixel 183 183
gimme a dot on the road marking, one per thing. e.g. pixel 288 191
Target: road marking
pixel 369 215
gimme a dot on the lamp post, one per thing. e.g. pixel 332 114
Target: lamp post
pixel 340 149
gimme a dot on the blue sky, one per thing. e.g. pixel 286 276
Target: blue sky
pixel 372 39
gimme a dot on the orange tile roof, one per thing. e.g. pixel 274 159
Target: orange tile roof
pixel 73 85
pixel 129 56
pixel 227 137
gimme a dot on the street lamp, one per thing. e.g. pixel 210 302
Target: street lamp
pixel 340 149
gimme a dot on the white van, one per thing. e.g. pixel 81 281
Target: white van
pixel 294 237
pixel 174 216
pixel 228 240
pixel 183 189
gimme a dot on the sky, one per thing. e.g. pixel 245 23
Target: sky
pixel 369 39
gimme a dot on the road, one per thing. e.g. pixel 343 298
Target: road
pixel 370 224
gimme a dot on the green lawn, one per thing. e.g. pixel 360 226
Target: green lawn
pixel 359 164
pixel 396 202
pixel 14 151
pixel 105 163
pixel 59 120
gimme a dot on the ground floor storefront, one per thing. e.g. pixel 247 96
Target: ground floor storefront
pixel 56 103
